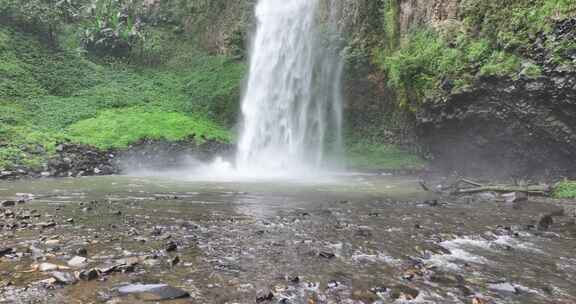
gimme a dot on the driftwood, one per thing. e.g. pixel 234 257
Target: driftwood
pixel 467 186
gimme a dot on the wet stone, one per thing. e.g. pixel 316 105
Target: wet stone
pixel 81 252
pixel 153 292
pixel 8 203
pixel 6 251
pixel 403 291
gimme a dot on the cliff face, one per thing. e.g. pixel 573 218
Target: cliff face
pixel 426 13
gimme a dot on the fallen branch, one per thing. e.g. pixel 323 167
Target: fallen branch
pixel 534 190
pixel 467 186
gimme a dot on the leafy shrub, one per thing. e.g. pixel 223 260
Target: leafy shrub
pixel 565 189
pixel 416 69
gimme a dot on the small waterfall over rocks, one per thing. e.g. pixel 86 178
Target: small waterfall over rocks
pixel 292 106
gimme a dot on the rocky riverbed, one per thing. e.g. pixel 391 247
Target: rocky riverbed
pixel 352 239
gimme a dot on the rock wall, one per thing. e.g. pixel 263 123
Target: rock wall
pixel 509 126
pixel 504 128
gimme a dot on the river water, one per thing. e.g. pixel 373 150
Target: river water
pixel 342 239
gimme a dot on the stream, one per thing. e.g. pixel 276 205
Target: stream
pixel 343 239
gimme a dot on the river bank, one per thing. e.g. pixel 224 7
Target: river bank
pixel 357 239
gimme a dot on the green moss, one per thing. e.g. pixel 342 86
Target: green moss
pixel 120 128
pixel 565 189
pixel 371 156
pixel 391 13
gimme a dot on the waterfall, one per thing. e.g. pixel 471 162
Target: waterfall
pixel 291 109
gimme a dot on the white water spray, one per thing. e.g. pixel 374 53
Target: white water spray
pixel 292 109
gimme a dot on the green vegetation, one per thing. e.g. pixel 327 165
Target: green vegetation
pixel 48 94
pixel 565 189
pixel 373 156
pixel 120 128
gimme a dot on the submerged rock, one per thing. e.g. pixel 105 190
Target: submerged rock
pixel 89 275
pixel 545 222
pixel 505 288
pixel 63 277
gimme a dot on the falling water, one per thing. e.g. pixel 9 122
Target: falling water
pixel 292 110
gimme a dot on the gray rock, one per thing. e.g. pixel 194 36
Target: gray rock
pixel 64 277
pixel 153 292
pixel 46 224
pixel 89 275
pixel 570 210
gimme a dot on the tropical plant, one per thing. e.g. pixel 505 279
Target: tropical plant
pixel 112 27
